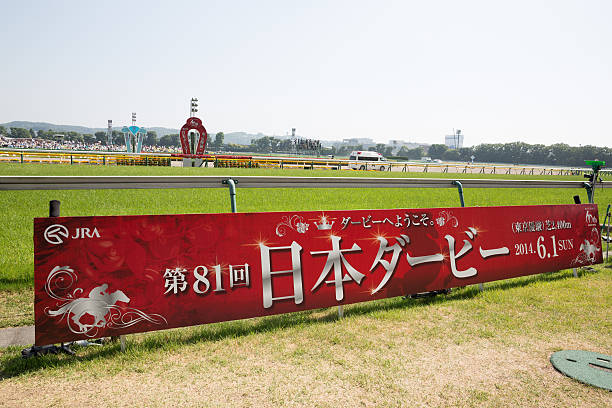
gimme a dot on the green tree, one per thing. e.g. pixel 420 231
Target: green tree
pixel 285 145
pixel 465 154
pixel 117 138
pixel 19 133
pixel 265 144
pixel 380 148
pixel 451 155
pixel 151 138
pixel 219 137
pixel 100 137
pixel 3 131
pixel 416 153
pixel 436 151
pixel 74 136
pixel 169 140
pixel 89 138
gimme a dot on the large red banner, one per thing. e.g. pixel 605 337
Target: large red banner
pixel 106 276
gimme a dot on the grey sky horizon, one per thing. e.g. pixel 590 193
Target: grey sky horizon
pixel 531 71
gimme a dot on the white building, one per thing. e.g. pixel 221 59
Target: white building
pixel 454 141
pixel 356 141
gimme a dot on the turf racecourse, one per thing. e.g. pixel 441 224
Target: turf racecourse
pixel 465 349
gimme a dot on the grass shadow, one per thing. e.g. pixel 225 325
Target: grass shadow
pixel 16 283
pixel 14 366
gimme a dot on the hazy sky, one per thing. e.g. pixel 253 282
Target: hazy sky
pixel 534 71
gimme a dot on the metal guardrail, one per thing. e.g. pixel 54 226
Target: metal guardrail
pixel 161 182
pixel 116 158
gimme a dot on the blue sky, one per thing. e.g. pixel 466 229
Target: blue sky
pixel 532 71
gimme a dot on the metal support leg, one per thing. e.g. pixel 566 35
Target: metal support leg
pixel 589 190
pixel 340 312
pixel 122 341
pixel 54 211
pixel 232 190
pixel 608 238
pixel 575 273
pixel 460 189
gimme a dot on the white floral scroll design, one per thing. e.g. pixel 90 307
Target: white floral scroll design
pixel 295 223
pixel 100 304
pixel 447 218
pixel 588 249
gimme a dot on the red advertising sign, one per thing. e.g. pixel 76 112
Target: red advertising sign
pixel 105 276
pixel 193 123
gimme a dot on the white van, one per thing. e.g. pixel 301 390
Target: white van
pixel 368 160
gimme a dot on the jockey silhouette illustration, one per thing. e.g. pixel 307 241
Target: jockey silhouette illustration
pixel 98 304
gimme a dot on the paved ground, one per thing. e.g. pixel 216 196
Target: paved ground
pixel 17 336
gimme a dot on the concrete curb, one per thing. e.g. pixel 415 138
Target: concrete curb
pixel 17 336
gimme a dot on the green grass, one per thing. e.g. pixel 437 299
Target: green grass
pixel 468 348
pixel 16 169
pixel 20 207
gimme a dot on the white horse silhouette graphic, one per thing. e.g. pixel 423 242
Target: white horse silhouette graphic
pixel 98 304
pixel 589 250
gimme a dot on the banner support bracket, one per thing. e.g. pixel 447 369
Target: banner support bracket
pixel 589 190
pixel 460 190
pixel 462 200
pixel 232 190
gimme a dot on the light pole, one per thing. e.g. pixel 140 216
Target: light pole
pixel 193 107
pixel 193 139
pixel 109 133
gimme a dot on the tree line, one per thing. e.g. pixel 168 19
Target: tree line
pixel 559 154
pixel 515 153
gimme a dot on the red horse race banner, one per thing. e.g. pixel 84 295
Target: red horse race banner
pixel 112 275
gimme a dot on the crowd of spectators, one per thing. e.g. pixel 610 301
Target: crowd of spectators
pixel 46 144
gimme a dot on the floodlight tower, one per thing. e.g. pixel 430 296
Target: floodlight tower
pixel 133 118
pixel 193 107
pixel 194 138
pixel 457 136
pixel 109 133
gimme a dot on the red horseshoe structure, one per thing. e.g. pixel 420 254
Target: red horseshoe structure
pixel 193 123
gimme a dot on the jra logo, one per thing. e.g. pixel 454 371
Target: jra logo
pixel 56 233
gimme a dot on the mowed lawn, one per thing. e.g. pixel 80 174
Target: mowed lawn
pixel 468 348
